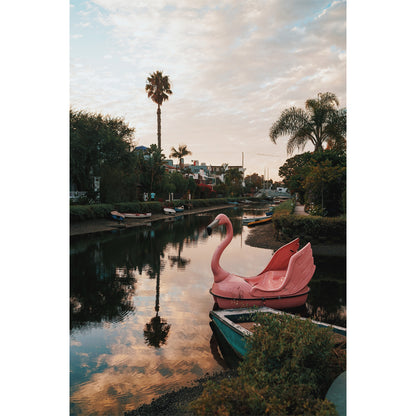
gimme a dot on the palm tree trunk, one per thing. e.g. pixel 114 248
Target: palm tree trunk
pixel 159 141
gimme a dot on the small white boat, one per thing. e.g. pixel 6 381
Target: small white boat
pixel 169 211
pixel 115 215
pixel 137 216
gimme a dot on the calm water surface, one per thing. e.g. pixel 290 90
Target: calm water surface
pixel 140 303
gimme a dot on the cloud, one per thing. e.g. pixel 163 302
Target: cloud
pixel 234 66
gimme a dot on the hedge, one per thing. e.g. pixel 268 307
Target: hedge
pixel 86 212
pixel 310 228
pixel 154 207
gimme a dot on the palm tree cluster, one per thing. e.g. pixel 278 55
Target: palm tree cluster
pixel 321 122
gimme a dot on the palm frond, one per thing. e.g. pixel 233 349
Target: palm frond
pixel 290 121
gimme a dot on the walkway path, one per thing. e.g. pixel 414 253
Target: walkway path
pixel 300 210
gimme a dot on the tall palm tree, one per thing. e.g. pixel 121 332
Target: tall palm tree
pixel 180 153
pixel 158 89
pixel 321 122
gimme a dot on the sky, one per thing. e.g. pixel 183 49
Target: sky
pixel 234 66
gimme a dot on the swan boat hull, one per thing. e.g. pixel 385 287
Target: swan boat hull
pixel 275 302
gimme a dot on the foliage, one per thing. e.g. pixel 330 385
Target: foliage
pixel 204 191
pixel 86 212
pixel 318 178
pixel 285 372
pixel 151 169
pixel 310 228
pixel 253 182
pixel 294 172
pixel 320 122
pixel 100 146
pixel 139 207
pixel 285 208
pixel 233 179
pixel 179 182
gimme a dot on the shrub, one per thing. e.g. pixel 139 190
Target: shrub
pixel 310 228
pixel 285 208
pixel 154 207
pixel 285 372
pixel 85 212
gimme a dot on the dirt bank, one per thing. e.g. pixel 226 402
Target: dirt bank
pixel 176 403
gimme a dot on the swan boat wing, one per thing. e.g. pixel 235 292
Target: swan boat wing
pixel 298 274
pixel 280 259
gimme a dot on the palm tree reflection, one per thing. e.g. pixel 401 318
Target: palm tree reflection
pixel 157 330
pixel 180 262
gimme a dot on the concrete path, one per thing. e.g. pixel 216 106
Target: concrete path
pixel 300 210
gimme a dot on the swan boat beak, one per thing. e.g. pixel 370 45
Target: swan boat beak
pixel 213 225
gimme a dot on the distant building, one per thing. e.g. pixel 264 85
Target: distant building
pixel 217 172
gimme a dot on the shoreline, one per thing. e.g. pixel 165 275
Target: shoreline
pixel 104 224
pixel 264 236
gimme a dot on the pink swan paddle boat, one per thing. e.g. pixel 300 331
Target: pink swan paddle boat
pixel 282 284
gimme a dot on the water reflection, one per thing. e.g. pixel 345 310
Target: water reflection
pixel 157 330
pixel 103 267
pixel 140 304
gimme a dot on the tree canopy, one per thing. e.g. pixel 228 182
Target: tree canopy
pixel 318 178
pixel 101 146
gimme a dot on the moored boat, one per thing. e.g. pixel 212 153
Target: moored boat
pixel 246 221
pixel 179 209
pixel 137 216
pixel 259 221
pixel 282 284
pixel 169 211
pixel 236 325
pixel 115 215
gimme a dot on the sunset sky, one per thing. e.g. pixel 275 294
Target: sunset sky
pixel 234 66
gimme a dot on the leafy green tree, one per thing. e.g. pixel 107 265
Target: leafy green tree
pixel 101 146
pixel 180 153
pixel 180 183
pixel 158 89
pixel 325 185
pixel 321 122
pixel 317 178
pixel 253 182
pixel 294 172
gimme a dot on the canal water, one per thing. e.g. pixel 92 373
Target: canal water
pixel 140 302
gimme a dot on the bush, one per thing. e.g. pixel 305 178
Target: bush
pixel 86 212
pixel 287 371
pixel 154 207
pixel 285 208
pixel 310 228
